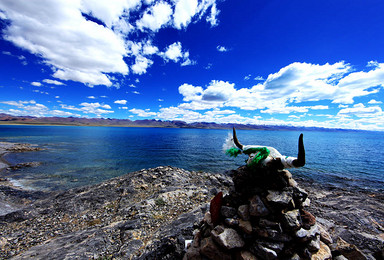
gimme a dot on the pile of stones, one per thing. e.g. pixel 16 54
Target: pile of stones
pixel 263 217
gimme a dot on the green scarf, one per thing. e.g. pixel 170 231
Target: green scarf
pixel 261 154
pixel 234 152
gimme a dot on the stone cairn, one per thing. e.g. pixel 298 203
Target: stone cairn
pixel 262 218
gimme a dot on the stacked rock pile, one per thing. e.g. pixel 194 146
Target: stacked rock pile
pixel 262 218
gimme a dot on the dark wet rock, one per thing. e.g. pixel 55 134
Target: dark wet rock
pixel 292 219
pixel 231 222
pixel 272 234
pixel 282 198
pixel 264 252
pixel 257 207
pixel 243 212
pixel 24 165
pixel 228 212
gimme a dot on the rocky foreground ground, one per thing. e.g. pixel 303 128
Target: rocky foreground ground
pixel 149 214
pixel 145 214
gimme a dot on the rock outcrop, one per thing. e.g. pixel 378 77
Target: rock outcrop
pixel 143 215
pixel 264 217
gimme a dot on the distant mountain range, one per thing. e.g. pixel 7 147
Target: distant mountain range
pixel 76 121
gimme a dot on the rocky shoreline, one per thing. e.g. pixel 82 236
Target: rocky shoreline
pixel 357 216
pixel 150 214
pixel 13 197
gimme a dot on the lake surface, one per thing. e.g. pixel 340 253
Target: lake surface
pixel 76 156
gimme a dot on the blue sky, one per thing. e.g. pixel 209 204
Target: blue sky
pixel 300 63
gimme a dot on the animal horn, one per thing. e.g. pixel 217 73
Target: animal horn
pixel 237 143
pixel 300 162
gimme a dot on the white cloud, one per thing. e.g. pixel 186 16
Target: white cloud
pixel 247 77
pixel 176 113
pixel 53 82
pixel 91 97
pixel 361 110
pixel 259 78
pixel 190 92
pixel 109 13
pixel 78 49
pixel 285 110
pixel 62 113
pixel 142 113
pixel 121 102
pixel 359 84
pixel 212 19
pixel 141 65
pixel 90 108
pixel 295 83
pixel 39 91
pixel 184 11
pixel 217 91
pixel 18 103
pixel 136 92
pixel 373 101
pixel 155 17
pixel 36 84
pixel 28 108
pixel 88 78
pixel 221 48
pixel 319 107
pixel 86 40
pixel 149 49
pixel 173 52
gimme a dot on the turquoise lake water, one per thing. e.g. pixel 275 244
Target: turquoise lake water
pixel 76 156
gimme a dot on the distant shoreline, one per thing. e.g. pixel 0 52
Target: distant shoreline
pixel 6 119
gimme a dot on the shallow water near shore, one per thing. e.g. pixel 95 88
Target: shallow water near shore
pixel 76 156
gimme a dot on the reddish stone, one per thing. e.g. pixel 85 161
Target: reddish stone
pixel 307 218
pixel 215 208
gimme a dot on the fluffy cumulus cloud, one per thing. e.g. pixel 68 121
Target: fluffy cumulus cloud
pixel 32 108
pixel 36 84
pixel 121 102
pixel 142 113
pixel 221 48
pixel 156 17
pixel 296 90
pixel 184 11
pixel 360 110
pixel 96 108
pixel 86 40
pixel 53 82
pixel 175 53
pixel 293 84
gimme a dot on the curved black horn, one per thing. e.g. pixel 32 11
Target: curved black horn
pixel 237 143
pixel 300 162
